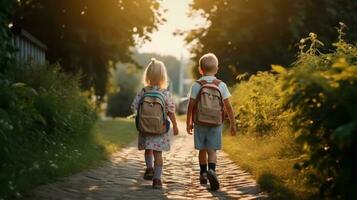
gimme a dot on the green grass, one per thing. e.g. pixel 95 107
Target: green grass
pixel 60 160
pixel 270 159
pixel 114 134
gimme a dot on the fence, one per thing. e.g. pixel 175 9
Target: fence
pixel 30 49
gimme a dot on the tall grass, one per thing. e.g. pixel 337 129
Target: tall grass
pixel 265 143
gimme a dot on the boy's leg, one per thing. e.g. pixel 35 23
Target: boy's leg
pixel 212 159
pixel 211 174
pixel 202 157
pixel 214 142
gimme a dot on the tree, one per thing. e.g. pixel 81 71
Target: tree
pixel 248 36
pixel 6 48
pixel 87 36
pixel 126 78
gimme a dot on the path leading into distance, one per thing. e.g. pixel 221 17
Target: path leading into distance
pixel 121 178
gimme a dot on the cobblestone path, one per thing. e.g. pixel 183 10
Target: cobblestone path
pixel 121 178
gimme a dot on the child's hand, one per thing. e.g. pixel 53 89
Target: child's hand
pixel 189 128
pixel 233 130
pixel 176 131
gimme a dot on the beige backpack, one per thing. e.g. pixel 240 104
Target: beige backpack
pixel 151 116
pixel 209 109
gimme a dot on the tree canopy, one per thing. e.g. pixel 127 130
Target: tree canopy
pixel 248 36
pixel 87 36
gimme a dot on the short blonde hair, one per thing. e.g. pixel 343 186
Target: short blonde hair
pixel 155 74
pixel 208 62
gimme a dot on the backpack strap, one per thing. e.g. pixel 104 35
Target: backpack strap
pixel 216 82
pixel 203 82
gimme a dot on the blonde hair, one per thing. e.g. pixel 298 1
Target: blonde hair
pixel 155 74
pixel 208 62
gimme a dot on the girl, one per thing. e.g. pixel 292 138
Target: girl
pixel 155 78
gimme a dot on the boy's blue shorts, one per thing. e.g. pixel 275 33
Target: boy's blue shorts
pixel 208 137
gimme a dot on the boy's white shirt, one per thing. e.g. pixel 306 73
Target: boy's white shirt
pixel 196 88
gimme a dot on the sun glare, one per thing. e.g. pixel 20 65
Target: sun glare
pixel 163 41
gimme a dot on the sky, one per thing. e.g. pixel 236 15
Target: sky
pixel 163 41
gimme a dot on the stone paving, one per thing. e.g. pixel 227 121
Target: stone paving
pixel 121 178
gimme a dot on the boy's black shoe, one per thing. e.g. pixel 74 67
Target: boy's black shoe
pixel 149 174
pixel 203 178
pixel 213 180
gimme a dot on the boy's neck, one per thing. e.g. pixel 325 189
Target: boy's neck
pixel 209 74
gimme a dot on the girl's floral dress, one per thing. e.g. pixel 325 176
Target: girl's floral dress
pixel 155 142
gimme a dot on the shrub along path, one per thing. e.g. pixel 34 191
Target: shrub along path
pixel 121 178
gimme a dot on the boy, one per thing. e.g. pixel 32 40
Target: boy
pixel 207 137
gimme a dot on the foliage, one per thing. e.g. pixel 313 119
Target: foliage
pixel 6 57
pixel 265 143
pixel 44 121
pixel 248 36
pixel 85 35
pixel 257 104
pixel 127 78
pixel 307 115
pixel 321 89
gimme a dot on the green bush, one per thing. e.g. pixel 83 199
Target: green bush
pixel 44 123
pixel 257 103
pixel 127 80
pixel 265 143
pixel 321 89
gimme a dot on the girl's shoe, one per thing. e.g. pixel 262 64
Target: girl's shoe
pixel 156 183
pixel 213 180
pixel 203 178
pixel 149 173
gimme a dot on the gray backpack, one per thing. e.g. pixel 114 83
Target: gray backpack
pixel 209 109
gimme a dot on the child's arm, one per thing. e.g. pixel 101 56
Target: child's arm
pixel 189 124
pixel 135 103
pixel 172 117
pixel 232 121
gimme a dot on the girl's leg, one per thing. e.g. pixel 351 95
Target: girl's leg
pixel 149 158
pixel 149 172
pixel 158 164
